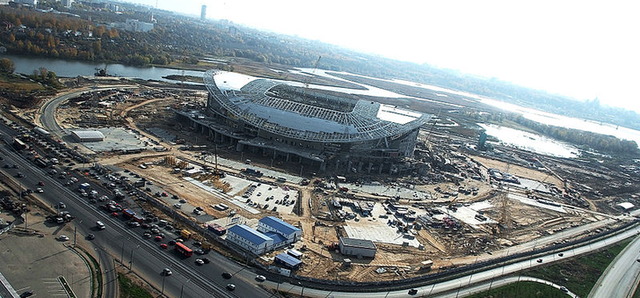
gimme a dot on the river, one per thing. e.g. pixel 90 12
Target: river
pixel 71 68
pixel 64 68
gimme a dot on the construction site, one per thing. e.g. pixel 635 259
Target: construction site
pixel 449 206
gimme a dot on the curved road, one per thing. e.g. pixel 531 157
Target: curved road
pixel 621 277
pixel 451 286
pixel 499 283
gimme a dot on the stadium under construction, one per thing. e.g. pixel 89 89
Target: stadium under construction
pixel 326 130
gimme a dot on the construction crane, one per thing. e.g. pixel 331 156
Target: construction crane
pixel 315 66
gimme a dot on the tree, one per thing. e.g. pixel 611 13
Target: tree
pixel 7 66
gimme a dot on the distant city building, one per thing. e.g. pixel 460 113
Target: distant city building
pixel 133 25
pixel 203 12
pixel 4 2
pixel 67 3
pixel 357 247
pixel 27 2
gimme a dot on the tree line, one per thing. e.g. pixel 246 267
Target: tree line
pixel 600 142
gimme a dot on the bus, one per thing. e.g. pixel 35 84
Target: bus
pixel 19 144
pixel 184 250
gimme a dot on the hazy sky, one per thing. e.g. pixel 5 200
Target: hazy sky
pixel 583 49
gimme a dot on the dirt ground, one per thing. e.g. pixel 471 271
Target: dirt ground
pixel 519 171
pixel 444 248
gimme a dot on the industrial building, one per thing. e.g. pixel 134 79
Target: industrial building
pixel 288 261
pixel 320 129
pixel 249 239
pixel 282 232
pixel 87 135
pixel 357 247
pixel 272 233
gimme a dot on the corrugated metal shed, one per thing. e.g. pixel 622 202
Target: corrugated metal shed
pixel 288 260
pixel 248 233
pixel 88 135
pixel 362 243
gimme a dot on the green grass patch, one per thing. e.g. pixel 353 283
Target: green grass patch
pixel 524 289
pixel 130 290
pixel 579 275
pixel 18 85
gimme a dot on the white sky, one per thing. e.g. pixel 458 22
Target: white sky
pixel 583 49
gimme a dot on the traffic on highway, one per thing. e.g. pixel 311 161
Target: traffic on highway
pixel 94 202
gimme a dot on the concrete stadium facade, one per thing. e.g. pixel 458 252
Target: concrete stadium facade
pixel 327 130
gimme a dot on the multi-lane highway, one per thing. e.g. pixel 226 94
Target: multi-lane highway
pixel 125 244
pixel 451 287
pixel 620 279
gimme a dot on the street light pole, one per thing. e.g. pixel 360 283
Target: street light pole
pixel 131 260
pixel 162 291
pixel 122 254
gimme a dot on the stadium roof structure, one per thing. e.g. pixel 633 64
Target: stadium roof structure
pixel 250 234
pixel 279 225
pixel 305 114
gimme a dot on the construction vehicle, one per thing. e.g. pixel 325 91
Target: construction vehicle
pixel 185 234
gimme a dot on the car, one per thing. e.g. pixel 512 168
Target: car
pixel 206 260
pixel 199 262
pixel 564 289
pixel 199 251
pixel 539 260
pixel 40 183
pixel 20 175
pixel 100 225
pixel 166 272
pixel 182 201
pixel 231 287
pixel 146 235
pixel 134 224
pixel 91 237
pixel 26 294
pixel 39 190
pixel 413 291
pixel 163 246
pixel 197 243
pixel 226 275
pixel 177 205
pixel 158 238
pixel 62 205
pixel 560 254
pixel 260 278
pixel 63 238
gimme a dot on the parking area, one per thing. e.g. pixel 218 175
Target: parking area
pixel 34 263
pixel 263 196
